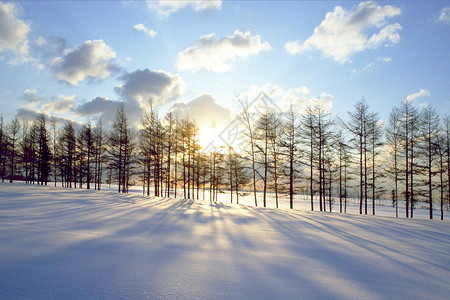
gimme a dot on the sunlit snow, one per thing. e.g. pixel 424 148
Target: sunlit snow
pixel 63 244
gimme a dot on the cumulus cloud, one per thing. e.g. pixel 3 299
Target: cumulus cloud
pixel 445 15
pixel 343 33
pixel 92 59
pixel 420 93
pixel 106 109
pixel 60 104
pixel 204 109
pixel 166 8
pixel 142 28
pixel 145 87
pixel 216 55
pixel 14 34
pixel 97 106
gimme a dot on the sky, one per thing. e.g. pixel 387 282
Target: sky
pixel 77 60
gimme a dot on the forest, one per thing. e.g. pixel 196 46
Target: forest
pixel 405 159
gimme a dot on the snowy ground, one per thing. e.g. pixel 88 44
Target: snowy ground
pixel 303 202
pixel 66 244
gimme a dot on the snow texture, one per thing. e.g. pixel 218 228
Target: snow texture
pixel 83 244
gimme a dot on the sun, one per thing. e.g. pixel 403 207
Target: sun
pixel 206 138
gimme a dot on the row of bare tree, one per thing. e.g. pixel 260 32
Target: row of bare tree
pixel 407 159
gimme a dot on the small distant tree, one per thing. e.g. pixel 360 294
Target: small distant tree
pixel 44 153
pixel 68 155
pixel 86 146
pixel 99 153
pixel 3 149
pixel 13 130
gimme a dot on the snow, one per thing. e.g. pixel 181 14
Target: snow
pixel 63 244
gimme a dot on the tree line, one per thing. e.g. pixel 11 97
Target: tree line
pixel 314 153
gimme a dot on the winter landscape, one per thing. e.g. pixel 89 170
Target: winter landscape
pixel 224 149
pixel 83 244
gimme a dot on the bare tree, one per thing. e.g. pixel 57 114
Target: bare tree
pixel 99 153
pixel 289 149
pixel 359 127
pixel 409 128
pixel 246 116
pixel 3 149
pixel 13 130
pixel 430 130
pixel 120 148
pixel 308 138
pixel 393 139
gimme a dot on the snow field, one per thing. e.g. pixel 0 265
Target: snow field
pixel 82 244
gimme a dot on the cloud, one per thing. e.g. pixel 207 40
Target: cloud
pixel 157 87
pixel 379 60
pixel 106 109
pixel 204 109
pixel 166 8
pixel 51 47
pixel 30 97
pixel 97 106
pixel 385 59
pixel 31 114
pixel 421 93
pixel 14 34
pixel 142 28
pixel 300 99
pixel 60 104
pixel 218 55
pixel 343 33
pixel 92 59
pixel 445 15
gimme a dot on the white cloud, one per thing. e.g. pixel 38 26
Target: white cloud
pixel 145 86
pixel 218 55
pixel 166 8
pixel 385 59
pixel 14 34
pixel 343 32
pixel 204 109
pixel 421 93
pixel 61 104
pixel 142 28
pixel 270 90
pixel 299 98
pixel 92 59
pixel 445 15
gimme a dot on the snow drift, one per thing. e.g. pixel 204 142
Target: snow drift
pixel 84 244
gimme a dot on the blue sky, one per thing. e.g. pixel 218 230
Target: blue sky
pixel 77 60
